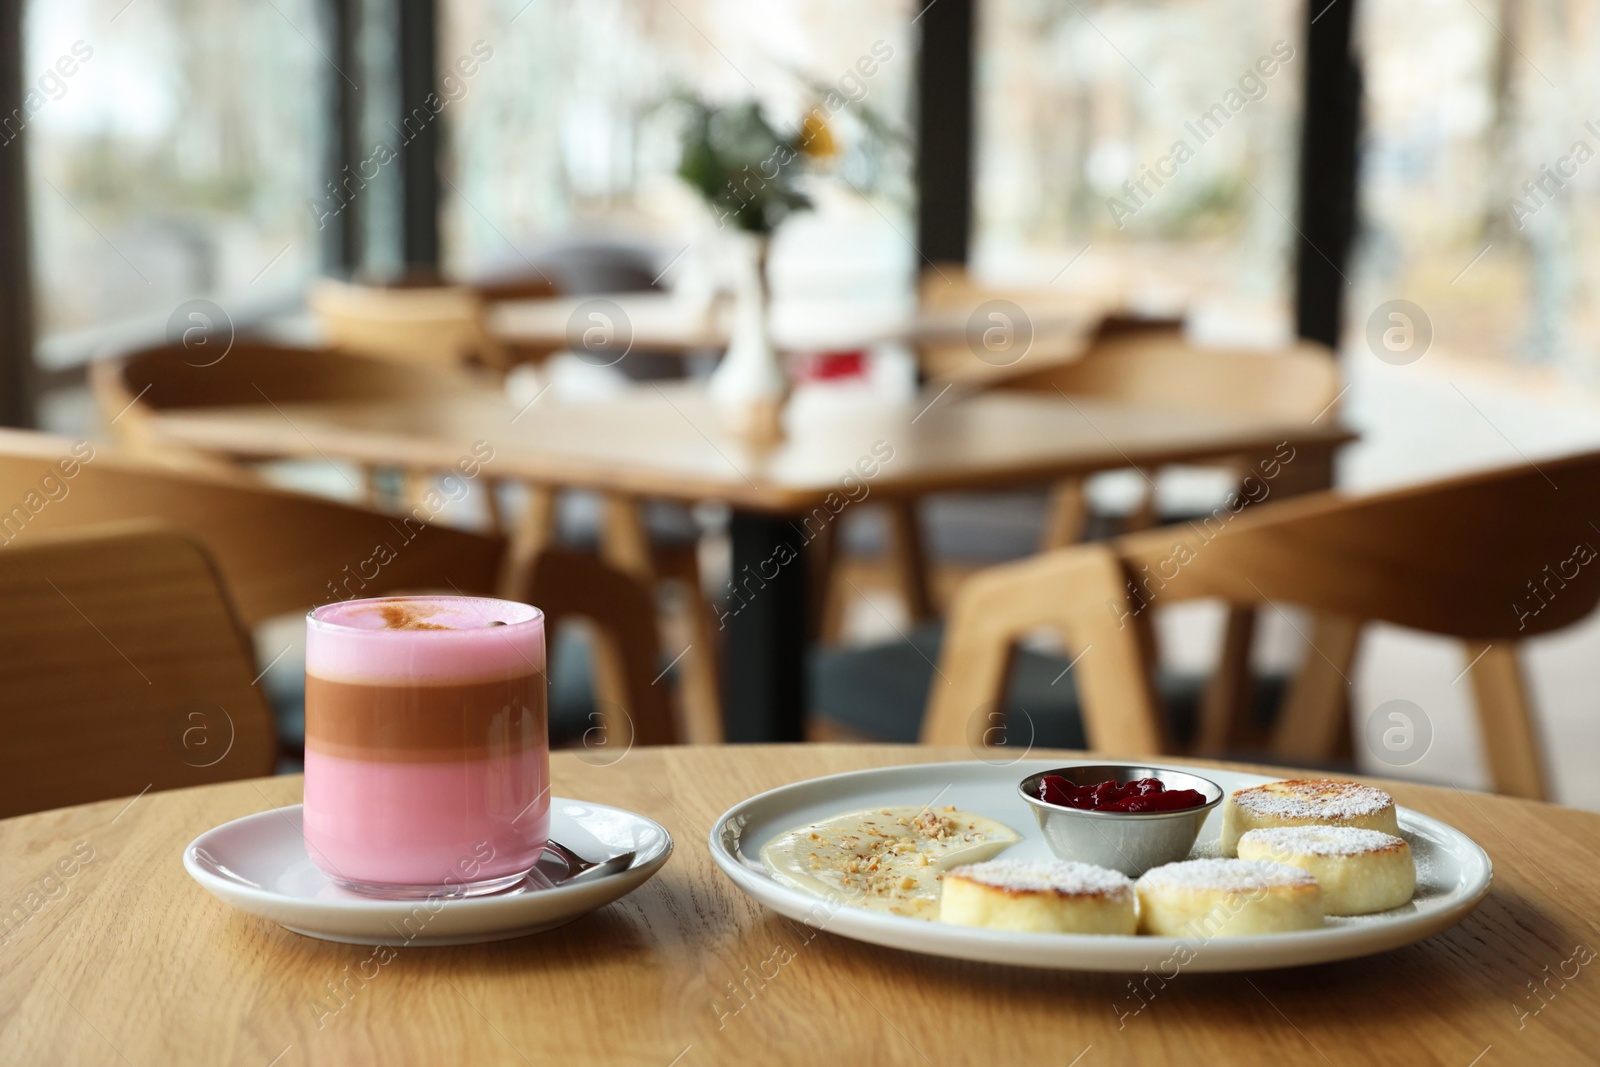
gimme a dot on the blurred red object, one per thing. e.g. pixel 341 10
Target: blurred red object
pixel 832 366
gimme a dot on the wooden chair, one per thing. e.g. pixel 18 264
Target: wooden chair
pixel 950 290
pixel 507 288
pixel 123 667
pixel 1158 370
pixel 626 545
pixel 1146 364
pixel 129 390
pixel 440 325
pixel 522 285
pixel 1489 558
pixel 1150 365
pixel 569 585
pixel 281 552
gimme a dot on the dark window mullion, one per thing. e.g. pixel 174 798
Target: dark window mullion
pixel 1330 126
pixel 945 104
pixel 17 378
pixel 419 119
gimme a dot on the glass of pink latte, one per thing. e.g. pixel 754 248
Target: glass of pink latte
pixel 427 753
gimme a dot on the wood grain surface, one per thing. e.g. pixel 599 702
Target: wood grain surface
pixel 669 441
pixel 659 322
pixel 125 960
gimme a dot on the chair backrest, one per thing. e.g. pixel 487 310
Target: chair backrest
pixel 278 551
pixel 442 326
pixel 1062 322
pixel 1490 557
pixel 123 667
pixel 1158 368
pixel 129 389
pixel 951 287
pixel 570 585
pixel 282 552
pixel 525 285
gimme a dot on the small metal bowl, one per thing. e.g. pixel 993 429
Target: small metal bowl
pixel 1130 842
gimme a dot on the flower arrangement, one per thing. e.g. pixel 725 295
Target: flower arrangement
pixel 747 172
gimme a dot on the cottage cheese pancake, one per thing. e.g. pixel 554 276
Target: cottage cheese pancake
pixel 1306 802
pixel 884 859
pixel 1227 898
pixel 1360 871
pixel 1039 896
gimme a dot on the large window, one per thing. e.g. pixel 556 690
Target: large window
pixel 1163 137
pixel 173 146
pixel 566 125
pixel 1480 182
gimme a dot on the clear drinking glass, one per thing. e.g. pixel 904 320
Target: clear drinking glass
pixel 427 751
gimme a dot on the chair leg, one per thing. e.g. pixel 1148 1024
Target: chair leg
pixel 701 685
pixel 1069 515
pixel 533 533
pixel 492 509
pixel 625 544
pixel 1122 708
pixel 907 557
pixel 1506 720
pixel 825 617
pixel 1316 711
pixel 609 672
pixel 1115 649
pixel 371 497
pixel 418 484
pixel 1144 516
pixel 1225 709
pixel 624 540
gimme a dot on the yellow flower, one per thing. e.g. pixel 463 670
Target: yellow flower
pixel 816 140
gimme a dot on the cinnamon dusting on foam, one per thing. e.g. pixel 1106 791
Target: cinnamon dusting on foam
pixel 398 615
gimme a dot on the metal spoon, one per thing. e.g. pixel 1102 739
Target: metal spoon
pixel 589 870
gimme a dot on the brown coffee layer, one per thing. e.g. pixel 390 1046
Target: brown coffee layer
pixel 425 723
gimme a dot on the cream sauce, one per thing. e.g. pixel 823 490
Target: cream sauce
pixel 884 859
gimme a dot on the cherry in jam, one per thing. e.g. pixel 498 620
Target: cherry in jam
pixel 1144 795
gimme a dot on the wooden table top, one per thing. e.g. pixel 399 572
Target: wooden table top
pixel 128 960
pixel 669 441
pixel 659 322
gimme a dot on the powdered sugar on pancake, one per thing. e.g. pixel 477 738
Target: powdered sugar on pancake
pixel 1061 877
pixel 1314 799
pixel 1323 840
pixel 1228 876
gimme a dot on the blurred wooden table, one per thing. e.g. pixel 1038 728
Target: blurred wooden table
pixel 128 961
pixel 669 442
pixel 658 322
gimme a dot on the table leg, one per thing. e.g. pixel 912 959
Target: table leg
pixel 764 625
pixel 909 558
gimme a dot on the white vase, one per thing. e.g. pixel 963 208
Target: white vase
pixel 749 385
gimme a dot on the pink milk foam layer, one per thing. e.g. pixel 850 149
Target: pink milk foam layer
pixel 427 824
pixel 466 639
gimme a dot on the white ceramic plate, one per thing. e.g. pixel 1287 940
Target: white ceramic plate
pixel 259 865
pixel 1453 874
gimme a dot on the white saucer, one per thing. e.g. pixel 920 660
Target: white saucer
pixel 259 865
pixel 1453 875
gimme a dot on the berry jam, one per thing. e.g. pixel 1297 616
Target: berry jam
pixel 1146 794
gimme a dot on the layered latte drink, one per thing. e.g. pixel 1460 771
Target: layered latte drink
pixel 427 754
